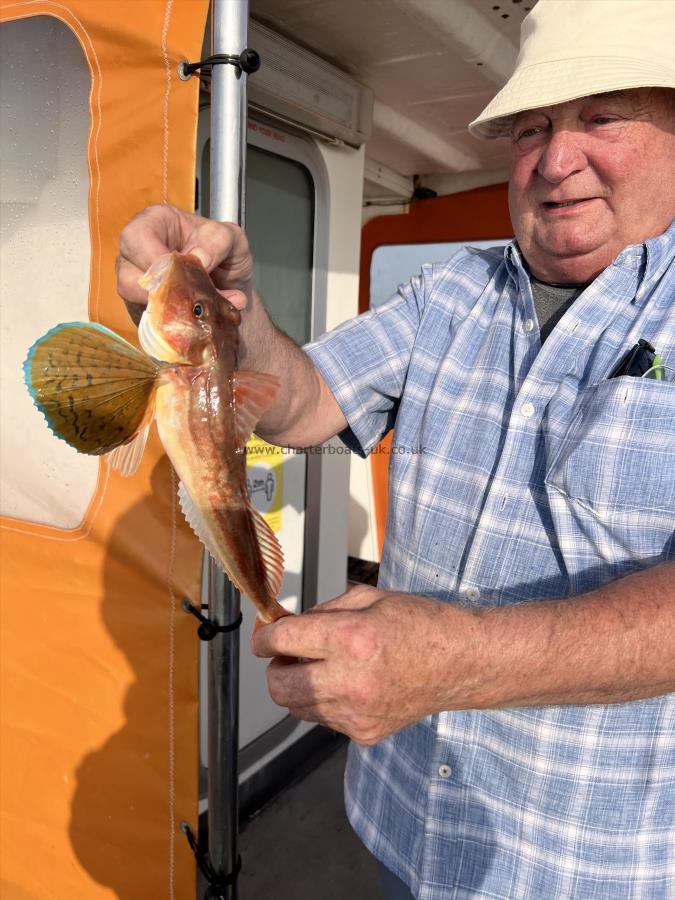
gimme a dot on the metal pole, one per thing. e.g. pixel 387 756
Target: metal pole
pixel 229 27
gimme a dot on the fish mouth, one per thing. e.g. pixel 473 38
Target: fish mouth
pixel 155 345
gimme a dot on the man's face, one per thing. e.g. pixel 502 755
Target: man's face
pixel 610 159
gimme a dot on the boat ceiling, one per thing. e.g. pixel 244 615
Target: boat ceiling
pixel 432 66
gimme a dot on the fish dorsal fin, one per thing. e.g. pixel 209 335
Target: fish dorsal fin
pixel 95 389
pixel 127 458
pixel 254 393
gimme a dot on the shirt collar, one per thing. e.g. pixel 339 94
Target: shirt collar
pixel 649 258
pixel 660 251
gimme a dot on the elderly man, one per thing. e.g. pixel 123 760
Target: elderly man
pixel 506 684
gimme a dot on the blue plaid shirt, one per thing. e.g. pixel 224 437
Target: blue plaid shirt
pixel 521 473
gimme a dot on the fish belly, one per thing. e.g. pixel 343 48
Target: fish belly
pixel 213 476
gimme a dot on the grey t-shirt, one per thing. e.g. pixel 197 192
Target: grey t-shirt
pixel 551 302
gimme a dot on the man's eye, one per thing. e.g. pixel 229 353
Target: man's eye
pixel 528 132
pixel 604 120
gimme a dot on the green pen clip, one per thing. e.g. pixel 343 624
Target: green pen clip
pixel 657 368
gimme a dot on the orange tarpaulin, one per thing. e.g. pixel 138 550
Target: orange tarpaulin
pixel 99 663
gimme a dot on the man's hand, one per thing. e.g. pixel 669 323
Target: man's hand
pixel 221 247
pixel 305 413
pixel 370 662
pixel 367 663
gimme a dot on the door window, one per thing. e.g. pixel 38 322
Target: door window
pixel 280 226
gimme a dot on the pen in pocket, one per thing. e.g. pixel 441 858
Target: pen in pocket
pixel 657 369
pixel 637 361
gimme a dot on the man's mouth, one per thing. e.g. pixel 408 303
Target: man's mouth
pixel 554 204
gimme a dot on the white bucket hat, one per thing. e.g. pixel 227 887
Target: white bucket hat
pixel 575 48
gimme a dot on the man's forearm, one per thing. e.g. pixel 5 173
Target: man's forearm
pixel 612 645
pixel 305 412
pixel 382 660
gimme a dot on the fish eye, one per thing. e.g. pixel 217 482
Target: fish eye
pixel 197 310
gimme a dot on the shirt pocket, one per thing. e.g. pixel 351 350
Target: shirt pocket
pixel 618 452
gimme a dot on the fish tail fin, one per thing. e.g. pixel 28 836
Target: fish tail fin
pixel 254 393
pixel 95 390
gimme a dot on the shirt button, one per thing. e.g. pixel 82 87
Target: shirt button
pixel 472 594
pixel 529 324
pixel 527 410
pixel 444 771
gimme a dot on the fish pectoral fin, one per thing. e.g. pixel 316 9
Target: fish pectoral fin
pixel 127 458
pixel 254 393
pixel 272 554
pixel 95 389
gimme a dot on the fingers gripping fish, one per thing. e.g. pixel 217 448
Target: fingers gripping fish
pixel 100 394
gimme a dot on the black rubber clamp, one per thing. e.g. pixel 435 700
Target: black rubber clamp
pixel 247 61
pixel 208 629
pixel 217 883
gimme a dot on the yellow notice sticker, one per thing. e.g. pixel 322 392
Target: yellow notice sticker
pixel 264 479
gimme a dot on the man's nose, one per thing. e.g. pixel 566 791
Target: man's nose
pixel 562 156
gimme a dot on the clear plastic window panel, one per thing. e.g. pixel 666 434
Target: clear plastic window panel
pixel 44 255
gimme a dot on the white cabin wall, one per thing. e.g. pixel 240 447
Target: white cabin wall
pixel 372 212
pixel 362 541
pixel 362 537
pixel 345 176
pixel 454 182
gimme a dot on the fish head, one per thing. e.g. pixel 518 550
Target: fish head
pixel 186 318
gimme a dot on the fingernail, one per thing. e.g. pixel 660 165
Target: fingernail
pixel 236 298
pixel 202 256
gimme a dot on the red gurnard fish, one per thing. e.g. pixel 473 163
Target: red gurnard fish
pixel 100 394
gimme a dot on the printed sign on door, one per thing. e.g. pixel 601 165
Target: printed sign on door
pixel 264 479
